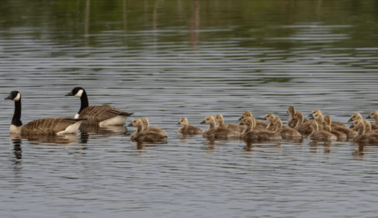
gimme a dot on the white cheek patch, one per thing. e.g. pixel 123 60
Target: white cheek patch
pixel 17 98
pixel 76 116
pixel 79 93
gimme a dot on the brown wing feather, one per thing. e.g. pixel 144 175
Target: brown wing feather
pixel 95 114
pixel 46 126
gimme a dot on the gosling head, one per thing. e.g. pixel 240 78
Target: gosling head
pixel 355 116
pixel 183 121
pixel 219 118
pixel 77 92
pixel 137 122
pixel 14 96
pixel 372 114
pixel 246 114
pixel 316 115
pixel 269 116
pixel 208 120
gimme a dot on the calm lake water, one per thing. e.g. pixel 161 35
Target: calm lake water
pixel 174 58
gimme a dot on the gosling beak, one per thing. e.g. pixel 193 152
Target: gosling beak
pixel 368 117
pixel 240 119
pixel 8 98
pixel 178 123
pixel 311 117
pixel 351 126
pixel 131 124
pixel 264 118
pixel 203 122
pixel 69 94
pixel 241 124
pixel 350 120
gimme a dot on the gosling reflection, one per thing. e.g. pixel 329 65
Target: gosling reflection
pixel 327 146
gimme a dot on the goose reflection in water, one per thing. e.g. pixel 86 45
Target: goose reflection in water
pixel 38 139
pixel 17 149
pixel 107 131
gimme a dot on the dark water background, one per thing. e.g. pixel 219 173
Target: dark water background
pixel 166 59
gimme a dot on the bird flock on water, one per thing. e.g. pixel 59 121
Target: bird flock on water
pixel 317 127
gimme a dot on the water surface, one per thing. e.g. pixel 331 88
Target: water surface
pixel 169 59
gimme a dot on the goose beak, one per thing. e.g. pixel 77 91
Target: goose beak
pixel 203 122
pixel 131 124
pixel 311 117
pixel 368 117
pixel 8 98
pixel 350 120
pixel 69 94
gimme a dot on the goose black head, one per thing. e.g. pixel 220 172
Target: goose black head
pixel 14 96
pixel 77 92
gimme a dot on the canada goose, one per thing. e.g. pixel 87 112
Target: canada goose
pixel 303 127
pixel 363 136
pixel 373 115
pixel 257 135
pixel 320 135
pixel 186 128
pixel 44 126
pixel 104 115
pixel 142 135
pixel 349 132
pixel 259 124
pixel 327 126
pixel 234 127
pixel 285 132
pixel 217 132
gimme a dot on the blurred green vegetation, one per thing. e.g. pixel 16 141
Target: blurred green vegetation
pixel 70 20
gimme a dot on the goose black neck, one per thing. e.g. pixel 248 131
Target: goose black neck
pixel 16 120
pixel 84 101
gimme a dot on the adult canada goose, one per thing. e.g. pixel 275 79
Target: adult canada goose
pixel 257 135
pixel 104 115
pixel 217 132
pixel 259 124
pixel 44 126
pixel 373 115
pixel 142 135
pixel 234 127
pixel 186 128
